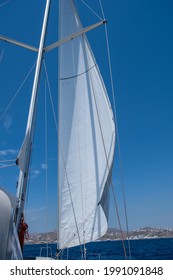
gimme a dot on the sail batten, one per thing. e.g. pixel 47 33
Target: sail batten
pixel 86 136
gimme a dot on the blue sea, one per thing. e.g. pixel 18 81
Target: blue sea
pixel 147 249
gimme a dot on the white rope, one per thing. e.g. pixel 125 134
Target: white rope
pixel 14 97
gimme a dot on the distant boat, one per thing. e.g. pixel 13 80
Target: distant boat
pixel 86 142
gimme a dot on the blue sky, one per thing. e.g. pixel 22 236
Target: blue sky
pixel 141 47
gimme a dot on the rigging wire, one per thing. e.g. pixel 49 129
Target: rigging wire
pixel 6 2
pixel 2 55
pixel 120 157
pixel 46 162
pixel 7 165
pixel 2 116
pixel 63 159
pixel 117 131
pixel 50 95
pixel 119 222
pixel 101 7
pixel 91 10
pixel 17 92
pixel 6 160
pixel 2 165
pixel 107 160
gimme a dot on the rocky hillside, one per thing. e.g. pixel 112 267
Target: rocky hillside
pixel 112 234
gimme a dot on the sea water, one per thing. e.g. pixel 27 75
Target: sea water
pixel 146 249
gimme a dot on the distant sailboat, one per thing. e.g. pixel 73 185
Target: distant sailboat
pixel 86 142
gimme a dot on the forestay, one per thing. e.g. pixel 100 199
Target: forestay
pixel 86 138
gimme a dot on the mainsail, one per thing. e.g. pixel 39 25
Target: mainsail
pixel 86 137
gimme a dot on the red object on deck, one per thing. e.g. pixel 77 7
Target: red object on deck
pixel 23 233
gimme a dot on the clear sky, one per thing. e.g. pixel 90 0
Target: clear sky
pixel 141 46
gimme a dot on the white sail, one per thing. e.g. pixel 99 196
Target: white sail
pixel 86 138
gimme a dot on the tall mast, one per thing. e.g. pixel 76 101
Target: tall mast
pixel 23 160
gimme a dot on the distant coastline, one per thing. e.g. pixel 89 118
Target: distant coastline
pixel 112 234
